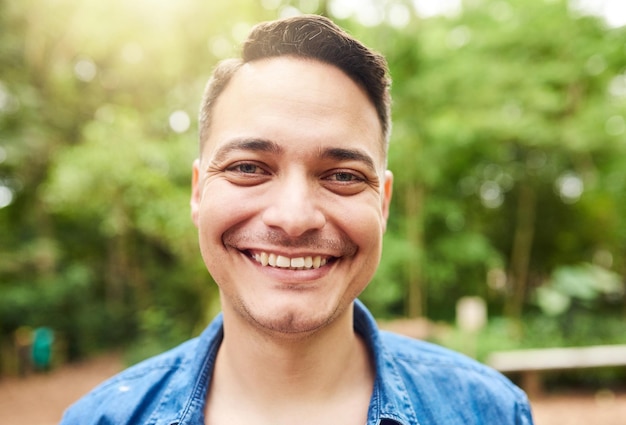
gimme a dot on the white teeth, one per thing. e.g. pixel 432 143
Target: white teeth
pixel 283 262
pixel 298 263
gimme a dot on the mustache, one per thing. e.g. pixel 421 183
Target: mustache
pixel 340 246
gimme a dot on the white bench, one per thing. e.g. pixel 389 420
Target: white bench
pixel 530 363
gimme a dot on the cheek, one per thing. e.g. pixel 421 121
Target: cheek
pixel 362 222
pixel 217 213
pixel 222 208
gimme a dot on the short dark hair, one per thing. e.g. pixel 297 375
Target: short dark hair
pixel 313 37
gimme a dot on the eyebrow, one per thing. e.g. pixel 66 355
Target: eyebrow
pixel 255 145
pixel 343 154
pixel 262 145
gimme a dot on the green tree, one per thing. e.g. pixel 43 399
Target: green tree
pixel 504 120
pixel 508 151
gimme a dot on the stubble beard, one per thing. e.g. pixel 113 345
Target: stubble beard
pixel 289 324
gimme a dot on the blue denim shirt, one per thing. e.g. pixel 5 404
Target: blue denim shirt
pixel 416 383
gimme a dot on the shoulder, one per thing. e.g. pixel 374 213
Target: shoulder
pixel 433 374
pixel 133 393
pixel 416 357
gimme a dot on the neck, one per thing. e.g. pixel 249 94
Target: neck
pixel 267 372
pixel 312 361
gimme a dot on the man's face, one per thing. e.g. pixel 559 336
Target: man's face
pixel 290 195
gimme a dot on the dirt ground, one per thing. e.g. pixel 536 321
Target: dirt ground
pixel 41 399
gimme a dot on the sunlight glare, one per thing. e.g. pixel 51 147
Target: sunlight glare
pixel 617 86
pixel 270 4
pixel 613 11
pixel 220 47
pixel 342 9
pixel 399 15
pixel 6 196
pixel 429 8
pixel 180 121
pixel 240 31
pixel 289 12
pixel 368 13
pixel 308 6
pixel 85 70
pixel 570 187
pixel 491 194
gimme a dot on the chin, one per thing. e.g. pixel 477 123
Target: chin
pixel 292 321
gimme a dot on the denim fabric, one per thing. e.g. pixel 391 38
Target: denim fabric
pixel 416 383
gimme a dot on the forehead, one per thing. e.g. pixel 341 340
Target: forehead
pixel 290 101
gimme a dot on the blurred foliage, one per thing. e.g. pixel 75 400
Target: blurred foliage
pixel 578 328
pixel 508 149
pixel 584 284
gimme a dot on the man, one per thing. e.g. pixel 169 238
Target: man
pixel 290 196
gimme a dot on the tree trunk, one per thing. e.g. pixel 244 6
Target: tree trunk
pixel 521 252
pixel 414 198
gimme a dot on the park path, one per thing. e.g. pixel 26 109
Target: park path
pixel 41 399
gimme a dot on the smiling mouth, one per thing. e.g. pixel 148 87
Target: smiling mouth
pixel 296 263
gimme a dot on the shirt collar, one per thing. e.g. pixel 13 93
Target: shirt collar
pixel 197 366
pixel 389 402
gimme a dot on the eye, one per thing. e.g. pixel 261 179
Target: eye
pixel 247 168
pixel 345 182
pixel 246 173
pixel 344 177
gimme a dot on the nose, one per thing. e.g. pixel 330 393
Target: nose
pixel 294 207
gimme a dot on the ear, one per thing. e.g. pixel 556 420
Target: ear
pixel 196 192
pixel 386 200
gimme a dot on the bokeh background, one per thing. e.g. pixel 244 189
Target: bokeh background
pixel 508 149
